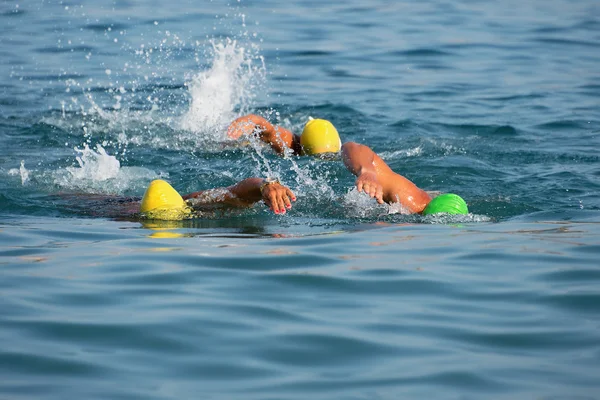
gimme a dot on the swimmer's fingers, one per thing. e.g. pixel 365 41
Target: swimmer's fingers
pixel 276 205
pixel 287 195
pixel 364 181
pixel 277 197
pixel 368 183
pixel 359 184
pixel 379 194
pixel 370 188
pixel 290 194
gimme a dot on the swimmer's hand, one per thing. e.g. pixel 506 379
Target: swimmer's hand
pixel 367 182
pixel 247 125
pixel 277 197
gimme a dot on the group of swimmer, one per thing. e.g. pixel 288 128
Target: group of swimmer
pixel 319 138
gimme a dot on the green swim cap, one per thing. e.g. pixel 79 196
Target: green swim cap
pixel 446 203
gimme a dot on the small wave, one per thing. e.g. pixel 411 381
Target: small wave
pixel 568 42
pixel 96 27
pixel 480 130
pixel 421 52
pixel 65 49
pixel 561 125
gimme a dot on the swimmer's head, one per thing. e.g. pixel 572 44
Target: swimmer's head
pixel 446 203
pixel 163 202
pixel 320 136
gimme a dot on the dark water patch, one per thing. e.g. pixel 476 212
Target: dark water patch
pixel 590 89
pixel 308 53
pixel 48 365
pixel 132 278
pixel 101 28
pixel 407 124
pixel 592 249
pixel 65 49
pixel 421 52
pixel 80 235
pixel 479 130
pixel 140 336
pixel 341 73
pixel 53 78
pixel 526 257
pixel 497 46
pixel 16 12
pixel 24 252
pixel 553 29
pixel 223 371
pixel 266 311
pixel 568 43
pixel 266 263
pixel 309 349
pixel 510 98
pixel 588 24
pixel 563 125
pixel 574 275
pixel 498 207
pixel 528 340
pixel 574 302
pixel 362 25
pixel 433 67
pixel 543 156
pixel 429 94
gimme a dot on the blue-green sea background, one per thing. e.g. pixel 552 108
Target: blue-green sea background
pixel 340 298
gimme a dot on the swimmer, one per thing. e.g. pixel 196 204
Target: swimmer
pixel 319 136
pixel 162 202
pixel 376 179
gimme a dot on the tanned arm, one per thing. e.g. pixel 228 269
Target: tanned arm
pixel 376 179
pixel 277 137
pixel 245 193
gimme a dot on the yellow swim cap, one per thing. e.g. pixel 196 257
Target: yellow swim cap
pixel 161 201
pixel 320 136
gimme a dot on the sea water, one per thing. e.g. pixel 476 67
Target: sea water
pixel 340 298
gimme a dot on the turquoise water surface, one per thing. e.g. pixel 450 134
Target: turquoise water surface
pixel 340 298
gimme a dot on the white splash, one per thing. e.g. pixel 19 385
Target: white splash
pixel 22 171
pixel 95 165
pixel 230 84
pixel 359 204
pixel 100 172
pixel 414 152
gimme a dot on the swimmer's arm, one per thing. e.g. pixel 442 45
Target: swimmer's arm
pixel 245 193
pixel 277 137
pixel 360 160
pixel 376 179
